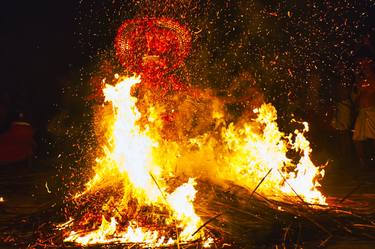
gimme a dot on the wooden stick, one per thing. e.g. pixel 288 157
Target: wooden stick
pixel 292 188
pixel 351 192
pixel 165 199
pixel 218 215
pixel 261 181
pixel 208 221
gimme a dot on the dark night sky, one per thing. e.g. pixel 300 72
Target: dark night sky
pixel 37 38
pixel 44 44
pixel 37 48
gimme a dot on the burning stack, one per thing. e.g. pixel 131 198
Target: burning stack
pixel 174 172
pixel 147 190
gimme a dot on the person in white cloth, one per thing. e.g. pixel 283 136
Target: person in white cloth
pixel 364 127
pixel 342 122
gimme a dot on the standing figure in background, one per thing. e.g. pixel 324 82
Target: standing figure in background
pixel 17 144
pixel 364 128
pixel 342 122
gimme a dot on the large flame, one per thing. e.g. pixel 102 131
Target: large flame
pixel 250 153
pixel 138 168
pixel 128 160
pixel 258 151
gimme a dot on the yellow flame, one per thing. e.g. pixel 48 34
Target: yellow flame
pixel 139 163
pixel 245 153
pixel 132 149
pixel 303 178
pixel 106 233
pixel 181 201
pixel 128 159
pixel 259 146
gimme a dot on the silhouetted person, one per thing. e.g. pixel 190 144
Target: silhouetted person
pixel 342 122
pixel 364 128
pixel 16 144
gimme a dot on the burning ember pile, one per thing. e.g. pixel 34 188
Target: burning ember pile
pixel 144 186
pixel 165 143
pixel 145 181
pixel 176 169
pixel 134 184
pixel 161 137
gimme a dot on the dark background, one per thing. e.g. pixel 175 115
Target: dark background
pixel 38 48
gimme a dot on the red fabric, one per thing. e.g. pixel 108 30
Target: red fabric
pixel 17 143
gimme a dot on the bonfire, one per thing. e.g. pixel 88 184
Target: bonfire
pixel 175 172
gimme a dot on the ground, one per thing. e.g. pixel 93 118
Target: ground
pixel 31 188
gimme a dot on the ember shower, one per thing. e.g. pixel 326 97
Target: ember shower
pixel 144 185
pixel 283 43
pixel 243 154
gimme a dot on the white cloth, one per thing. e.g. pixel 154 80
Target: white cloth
pixel 343 118
pixel 364 127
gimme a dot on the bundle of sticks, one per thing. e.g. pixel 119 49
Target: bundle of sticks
pixel 242 218
pixel 235 217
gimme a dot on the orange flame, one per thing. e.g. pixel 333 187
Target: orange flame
pixel 128 159
pixel 142 164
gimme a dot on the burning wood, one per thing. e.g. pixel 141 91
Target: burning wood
pixel 174 172
pixel 145 181
pixel 134 177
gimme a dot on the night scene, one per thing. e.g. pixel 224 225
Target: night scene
pixel 187 124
